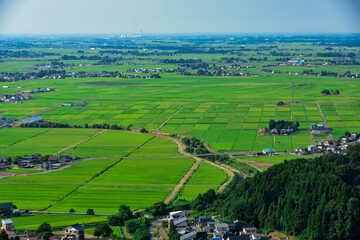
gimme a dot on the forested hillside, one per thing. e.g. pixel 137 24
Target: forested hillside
pixel 310 198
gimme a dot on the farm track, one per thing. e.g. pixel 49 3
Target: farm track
pixel 177 187
pixel 247 163
pixel 324 119
pixel 188 175
pixel 182 182
pixel 84 140
pixel 170 117
pixel 18 123
pixel 106 184
pixel 67 213
pixel 97 175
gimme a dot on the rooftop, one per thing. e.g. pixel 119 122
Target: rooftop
pixel 187 235
pixel 180 220
pixel 7 221
pixel 77 227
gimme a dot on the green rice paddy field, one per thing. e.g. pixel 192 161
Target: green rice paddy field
pixel 144 178
pixel 141 169
pixel 206 177
pixel 226 112
pixel 57 220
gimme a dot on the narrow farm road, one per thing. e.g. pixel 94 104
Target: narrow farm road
pixel 188 175
pixel 18 123
pixel 324 120
pixel 170 117
pixel 97 175
pixel 84 140
pixel 182 182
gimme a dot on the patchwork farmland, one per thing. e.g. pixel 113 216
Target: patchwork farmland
pixel 125 170
pixel 123 114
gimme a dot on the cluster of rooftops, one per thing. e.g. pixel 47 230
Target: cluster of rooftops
pixel 217 229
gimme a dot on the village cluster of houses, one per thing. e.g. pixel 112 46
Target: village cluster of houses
pixel 38 90
pixel 41 67
pixel 284 132
pixel 319 129
pixel 207 226
pixel 330 146
pixel 32 119
pixel 58 75
pixel 32 161
pixel 270 71
pixel 3 163
pixel 6 122
pixel 73 232
pixel 74 104
pixel 29 161
pixel 22 95
pixel 56 162
pixel 14 98
pixel 296 62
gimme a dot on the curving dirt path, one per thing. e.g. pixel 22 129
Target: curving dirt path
pixel 188 175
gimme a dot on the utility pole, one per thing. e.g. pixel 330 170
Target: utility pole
pixel 292 92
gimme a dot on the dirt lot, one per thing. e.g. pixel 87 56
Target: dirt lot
pixel 258 164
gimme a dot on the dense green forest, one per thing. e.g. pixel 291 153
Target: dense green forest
pixel 310 198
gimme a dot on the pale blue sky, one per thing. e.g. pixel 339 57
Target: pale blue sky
pixel 181 16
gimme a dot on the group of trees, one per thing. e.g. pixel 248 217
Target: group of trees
pixel 44 231
pixel 282 124
pixel 158 209
pixel 310 198
pixel 45 125
pixel 43 73
pixel 103 230
pixel 204 201
pixel 136 226
pixel 65 125
pixel 330 92
pixel 194 145
pixel 172 233
pixel 4 236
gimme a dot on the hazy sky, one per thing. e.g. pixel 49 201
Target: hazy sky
pixel 179 16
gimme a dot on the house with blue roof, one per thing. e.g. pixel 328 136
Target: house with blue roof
pixel 269 151
pixel 32 119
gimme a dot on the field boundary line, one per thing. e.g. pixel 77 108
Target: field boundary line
pixel 324 119
pixel 177 189
pixel 84 140
pixel 98 174
pixel 68 213
pixel 18 123
pixel 170 117
pixel 27 138
pixel 182 181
